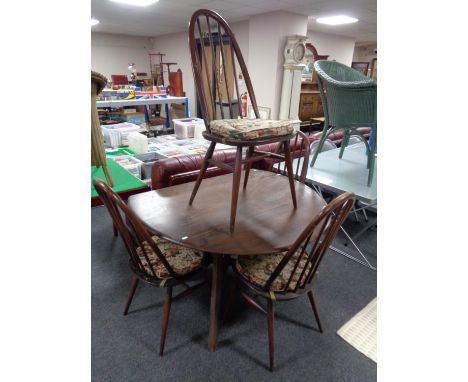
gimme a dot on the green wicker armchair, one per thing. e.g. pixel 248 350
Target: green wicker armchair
pixel 349 101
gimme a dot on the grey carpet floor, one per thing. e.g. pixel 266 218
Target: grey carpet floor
pixel 126 348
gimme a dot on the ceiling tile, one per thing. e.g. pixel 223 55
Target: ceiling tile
pixel 168 16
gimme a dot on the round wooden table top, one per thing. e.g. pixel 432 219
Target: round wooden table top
pixel 266 220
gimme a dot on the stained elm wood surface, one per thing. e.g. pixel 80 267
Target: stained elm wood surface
pixel 266 220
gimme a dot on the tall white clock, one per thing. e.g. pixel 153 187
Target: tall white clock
pixel 294 53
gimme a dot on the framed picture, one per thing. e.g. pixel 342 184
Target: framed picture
pixel 362 67
pixel 373 69
pixel 263 111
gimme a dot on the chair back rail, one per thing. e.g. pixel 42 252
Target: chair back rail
pixel 300 149
pixel 318 236
pixel 133 233
pixel 216 59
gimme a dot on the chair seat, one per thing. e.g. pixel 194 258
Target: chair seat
pixel 182 260
pixel 258 269
pixel 248 129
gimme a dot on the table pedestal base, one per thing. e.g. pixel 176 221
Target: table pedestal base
pixel 217 274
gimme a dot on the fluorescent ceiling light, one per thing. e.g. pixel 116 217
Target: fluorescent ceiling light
pixel 336 20
pixel 94 22
pixel 137 3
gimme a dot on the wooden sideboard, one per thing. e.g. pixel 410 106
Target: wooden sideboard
pixel 310 105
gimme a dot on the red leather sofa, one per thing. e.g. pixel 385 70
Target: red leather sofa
pixel 172 171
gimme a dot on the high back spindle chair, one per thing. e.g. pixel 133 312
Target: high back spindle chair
pixel 288 275
pixel 152 260
pixel 222 80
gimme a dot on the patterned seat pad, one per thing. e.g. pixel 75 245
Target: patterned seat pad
pixel 258 269
pixel 247 129
pixel 182 260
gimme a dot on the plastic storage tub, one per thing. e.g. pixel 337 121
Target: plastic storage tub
pixel 129 163
pixel 138 142
pixel 185 127
pixel 117 135
pixel 148 161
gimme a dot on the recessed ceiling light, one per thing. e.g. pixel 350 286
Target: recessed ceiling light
pixel 337 20
pixel 94 22
pixel 137 3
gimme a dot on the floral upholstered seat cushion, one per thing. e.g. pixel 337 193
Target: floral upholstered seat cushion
pixel 247 129
pixel 258 269
pixel 182 260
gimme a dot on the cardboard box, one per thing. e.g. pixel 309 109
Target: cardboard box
pixel 136 118
pixel 133 117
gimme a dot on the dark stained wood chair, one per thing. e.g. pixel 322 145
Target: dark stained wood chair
pixel 301 151
pixel 152 260
pixel 218 65
pixel 289 275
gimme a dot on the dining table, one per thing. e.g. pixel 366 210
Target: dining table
pixel 266 221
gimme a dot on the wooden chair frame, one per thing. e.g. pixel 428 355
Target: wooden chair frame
pixel 208 101
pixel 134 234
pixel 301 150
pixel 318 236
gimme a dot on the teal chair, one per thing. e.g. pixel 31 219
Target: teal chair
pixel 349 101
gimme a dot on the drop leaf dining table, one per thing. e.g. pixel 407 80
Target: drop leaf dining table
pixel 266 221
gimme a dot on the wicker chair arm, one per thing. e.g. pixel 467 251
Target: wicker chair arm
pixel 360 81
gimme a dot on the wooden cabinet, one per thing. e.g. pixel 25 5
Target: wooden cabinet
pixel 310 105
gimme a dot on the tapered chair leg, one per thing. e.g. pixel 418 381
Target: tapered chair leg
pixel 235 187
pixel 166 311
pixel 344 142
pixel 271 339
pixel 314 308
pixel 289 166
pixel 358 219
pixel 248 166
pixel 323 137
pixel 371 157
pixel 365 215
pixel 371 169
pixel 135 281
pixel 368 153
pixel 370 147
pixel 208 156
pixel 114 227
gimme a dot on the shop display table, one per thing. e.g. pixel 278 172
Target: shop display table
pixel 266 221
pixel 166 101
pixel 168 146
pixel 125 184
pixel 348 174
